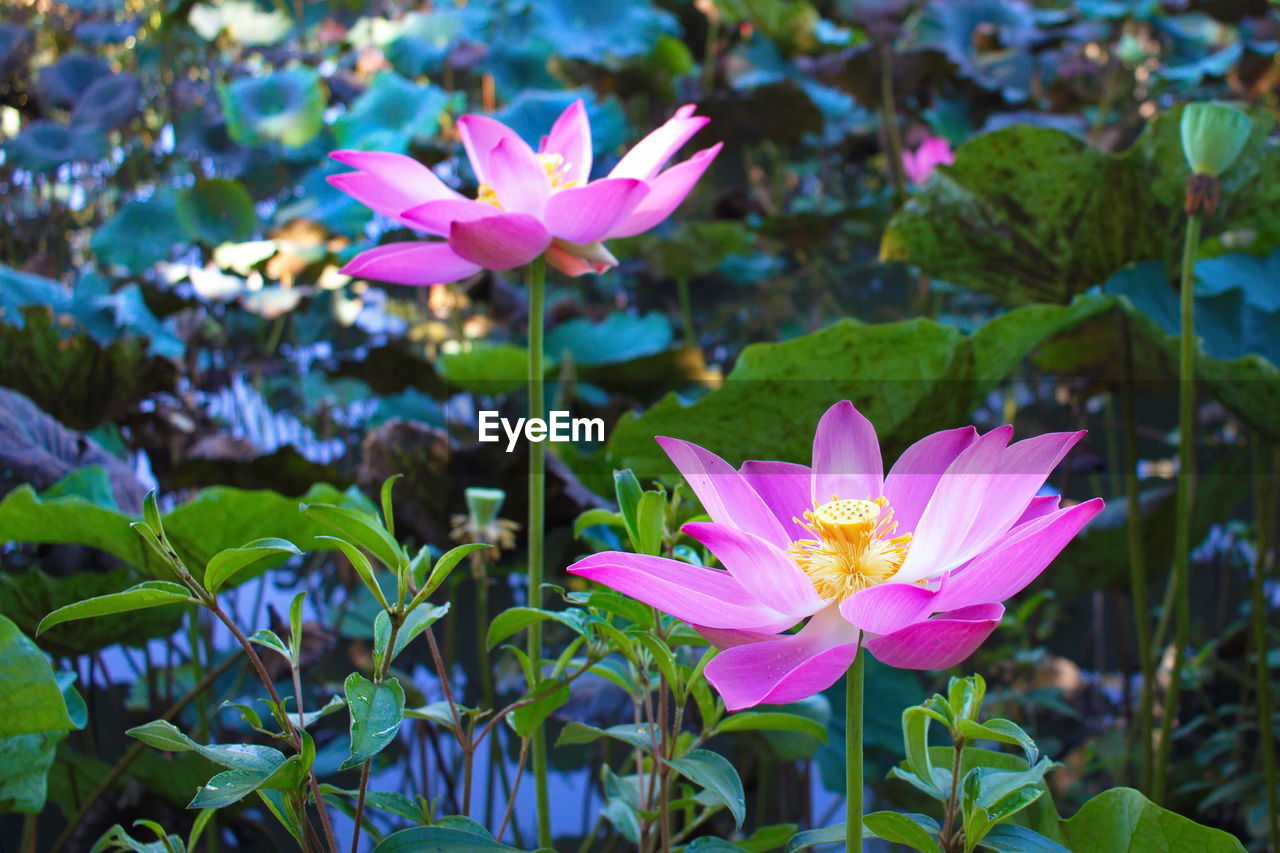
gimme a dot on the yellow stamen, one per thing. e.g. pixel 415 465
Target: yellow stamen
pixel 854 546
pixel 553 165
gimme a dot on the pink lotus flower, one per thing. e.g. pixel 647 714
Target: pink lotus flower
pixel 933 152
pixel 919 561
pixel 528 203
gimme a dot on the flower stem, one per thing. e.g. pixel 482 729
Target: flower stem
pixel 853 754
pixel 537 518
pixel 1137 567
pixel 1265 506
pixel 1182 523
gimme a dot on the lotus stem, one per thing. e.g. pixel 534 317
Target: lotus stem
pixel 1265 506
pixel 1137 569
pixel 853 753
pixel 1184 498
pixel 537 519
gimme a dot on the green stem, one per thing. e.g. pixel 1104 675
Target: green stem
pixel 1182 523
pixel 537 520
pixel 889 116
pixel 1137 569
pixel 686 312
pixel 853 754
pixel 1264 503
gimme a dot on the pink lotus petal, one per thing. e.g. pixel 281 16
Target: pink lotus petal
pixel 763 569
pixel 517 178
pixel 1041 505
pixel 725 638
pixel 575 259
pixel 788 669
pixel 1017 560
pixel 650 154
pixel 665 193
pixel 932 152
pixel 937 643
pixel 694 594
pixel 411 263
pixel 500 242
pixel 399 174
pixel 888 607
pixel 373 193
pixel 951 510
pixel 480 135
pixel 570 137
pixel 724 494
pixel 846 457
pixel 586 214
pixel 436 217
pixel 1023 468
pixel 785 488
pixel 913 478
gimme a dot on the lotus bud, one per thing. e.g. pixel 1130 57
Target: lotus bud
pixel 483 505
pixel 1213 135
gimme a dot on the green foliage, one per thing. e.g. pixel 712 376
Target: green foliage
pixel 216 211
pixel 285 107
pixel 1032 214
pixel 35 713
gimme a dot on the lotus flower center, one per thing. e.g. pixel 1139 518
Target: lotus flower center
pixel 553 165
pixel 854 546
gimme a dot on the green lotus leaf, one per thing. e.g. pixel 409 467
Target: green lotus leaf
pixel 219 210
pixel 44 145
pixel 956 30
pixel 63 82
pixel 139 234
pixel 393 112
pixel 285 107
pixel 108 102
pixel 602 33
pixel 1030 214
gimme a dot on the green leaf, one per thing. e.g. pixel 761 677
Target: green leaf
pixel 216 211
pixel 392 109
pixel 909 378
pixel 915 741
pixel 515 619
pixel 639 735
pixel 388 509
pixel 439 839
pixel 526 718
pixel 1122 820
pixel 619 337
pixel 713 772
pixel 486 368
pixel 1053 216
pixel 283 106
pixel 1004 731
pixel 359 529
pixel 139 234
pixel 35 713
pixel 116 838
pixel 376 714
pixel 651 522
pixel 362 566
pixel 227 787
pixel 1012 838
pixel 892 826
pixel 144 595
pixel 418 620
pixel 270 639
pixel 448 561
pixel 744 721
pixel 234 756
pixel 827 835
pixel 231 562
pixel 594 516
pixel 628 491
pixel 295 628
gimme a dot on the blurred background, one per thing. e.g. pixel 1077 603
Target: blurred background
pixel 172 316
